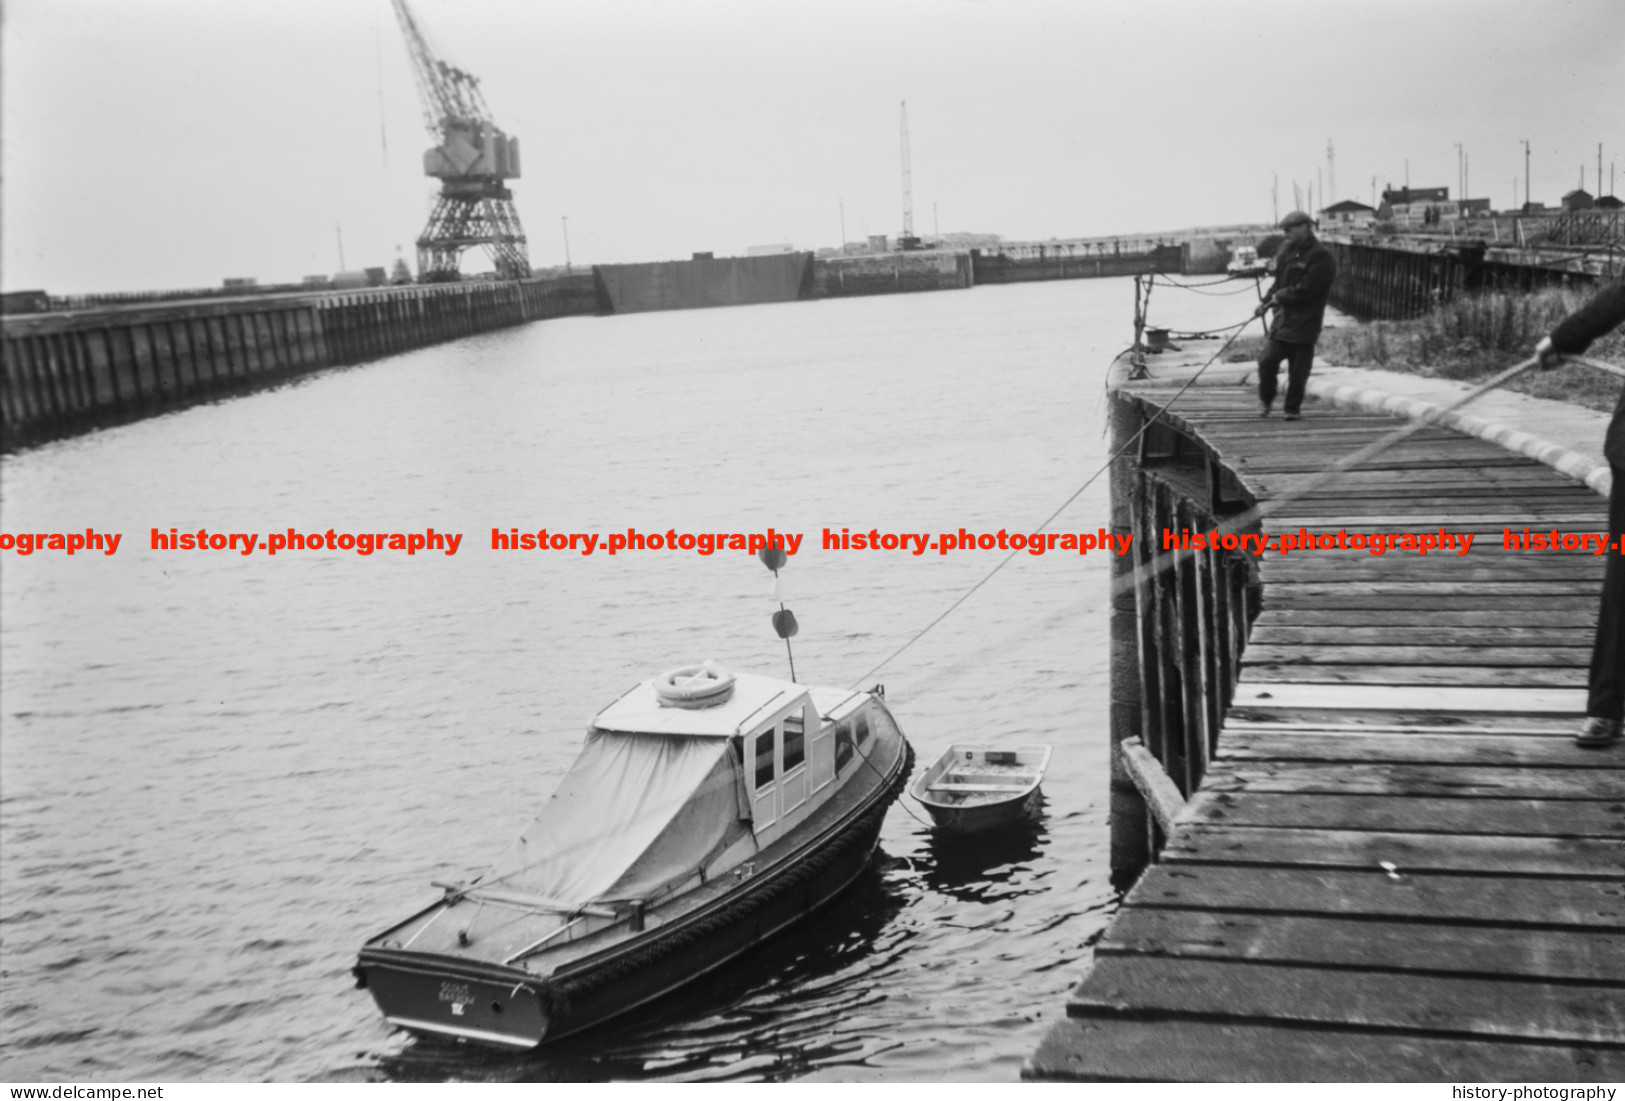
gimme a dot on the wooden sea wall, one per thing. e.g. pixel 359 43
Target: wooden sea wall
pixel 68 372
pixel 1378 281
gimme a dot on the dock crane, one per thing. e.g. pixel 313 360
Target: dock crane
pixel 908 240
pixel 472 159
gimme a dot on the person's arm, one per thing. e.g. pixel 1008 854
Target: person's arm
pixel 1575 332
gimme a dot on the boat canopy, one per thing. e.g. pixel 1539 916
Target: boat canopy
pixel 636 812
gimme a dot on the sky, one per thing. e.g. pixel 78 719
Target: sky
pixel 152 144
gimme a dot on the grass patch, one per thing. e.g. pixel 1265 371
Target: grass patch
pixel 1471 338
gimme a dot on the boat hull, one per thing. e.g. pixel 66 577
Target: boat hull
pixel 507 1007
pixel 974 817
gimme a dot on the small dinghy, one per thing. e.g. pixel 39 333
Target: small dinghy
pixel 976 787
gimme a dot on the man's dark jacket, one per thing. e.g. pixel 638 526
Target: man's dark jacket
pixel 1575 334
pixel 1303 282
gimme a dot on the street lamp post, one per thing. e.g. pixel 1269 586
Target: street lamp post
pixel 1526 196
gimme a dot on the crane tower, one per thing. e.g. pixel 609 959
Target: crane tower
pixel 472 159
pixel 907 240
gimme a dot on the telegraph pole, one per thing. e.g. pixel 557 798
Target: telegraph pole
pixel 565 218
pixel 1527 199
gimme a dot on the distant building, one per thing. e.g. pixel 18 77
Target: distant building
pixel 877 242
pixel 1475 208
pixel 24 302
pixel 1421 212
pixel 769 250
pixel 1609 202
pixel 1578 199
pixel 1348 214
pixel 1397 195
pixel 237 283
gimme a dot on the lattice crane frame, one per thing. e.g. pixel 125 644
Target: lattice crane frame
pixel 472 158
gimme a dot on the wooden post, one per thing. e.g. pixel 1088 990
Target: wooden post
pixel 1130 824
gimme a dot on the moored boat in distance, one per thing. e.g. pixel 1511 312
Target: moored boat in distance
pixel 706 811
pixel 975 787
pixel 1245 263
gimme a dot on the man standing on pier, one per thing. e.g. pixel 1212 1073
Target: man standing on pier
pixel 1304 271
pixel 1605 698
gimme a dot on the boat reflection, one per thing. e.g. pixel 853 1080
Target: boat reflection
pixel 986 867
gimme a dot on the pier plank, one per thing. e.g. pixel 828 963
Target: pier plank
pixel 1183 1050
pixel 1570 619
pixel 1597 904
pixel 1441 1004
pixel 1397 638
pixel 1374 720
pixel 1454 780
pixel 1556 955
pixel 1408 853
pixel 1407 812
pixel 1457 749
pixel 1387 653
pixel 1450 698
pixel 1388 676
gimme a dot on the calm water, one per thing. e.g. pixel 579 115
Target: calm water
pixel 222 773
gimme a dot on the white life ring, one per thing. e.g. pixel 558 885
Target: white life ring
pixel 703 685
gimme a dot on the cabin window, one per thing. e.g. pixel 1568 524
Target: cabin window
pixel 861 722
pixel 843 745
pixel 795 751
pixel 764 760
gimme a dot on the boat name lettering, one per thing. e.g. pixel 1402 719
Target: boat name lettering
pixel 456 993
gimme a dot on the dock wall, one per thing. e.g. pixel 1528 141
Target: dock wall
pixel 67 372
pixel 703 281
pixel 890 273
pixel 996 267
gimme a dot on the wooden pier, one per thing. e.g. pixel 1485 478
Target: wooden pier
pixel 1397 865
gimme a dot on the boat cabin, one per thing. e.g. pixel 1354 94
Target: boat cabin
pixel 790 742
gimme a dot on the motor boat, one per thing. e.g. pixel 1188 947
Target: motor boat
pixel 707 811
pixel 1245 263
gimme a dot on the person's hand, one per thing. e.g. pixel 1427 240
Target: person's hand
pixel 1262 306
pixel 1549 356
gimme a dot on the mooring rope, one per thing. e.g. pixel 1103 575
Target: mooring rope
pixel 1170 559
pixel 1132 440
